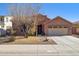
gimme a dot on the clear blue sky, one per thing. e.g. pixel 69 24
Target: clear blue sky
pixel 66 10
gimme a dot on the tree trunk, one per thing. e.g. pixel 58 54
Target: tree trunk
pixel 26 35
pixel 26 32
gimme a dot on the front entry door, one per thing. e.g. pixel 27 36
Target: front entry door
pixel 39 29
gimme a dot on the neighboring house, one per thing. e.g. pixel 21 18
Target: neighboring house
pixel 5 23
pixel 76 25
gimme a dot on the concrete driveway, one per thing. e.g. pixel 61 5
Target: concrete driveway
pixel 66 45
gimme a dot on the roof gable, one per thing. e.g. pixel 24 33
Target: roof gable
pixel 59 21
pixel 41 19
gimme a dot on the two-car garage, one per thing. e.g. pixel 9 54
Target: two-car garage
pixel 57 31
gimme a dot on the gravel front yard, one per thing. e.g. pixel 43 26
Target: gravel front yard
pixel 32 40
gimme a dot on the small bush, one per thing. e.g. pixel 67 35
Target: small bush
pixel 31 34
pixel 11 39
pixel 7 39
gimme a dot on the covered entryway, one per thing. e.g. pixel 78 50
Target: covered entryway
pixel 57 31
pixel 40 30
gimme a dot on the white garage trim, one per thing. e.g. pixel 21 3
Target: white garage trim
pixel 57 31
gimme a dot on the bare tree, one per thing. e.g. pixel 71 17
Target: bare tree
pixel 22 15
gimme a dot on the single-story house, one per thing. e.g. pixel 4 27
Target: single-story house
pixel 56 26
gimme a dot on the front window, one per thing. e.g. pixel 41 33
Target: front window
pixel 6 19
pixel 1 26
pixel 8 27
pixel 2 19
